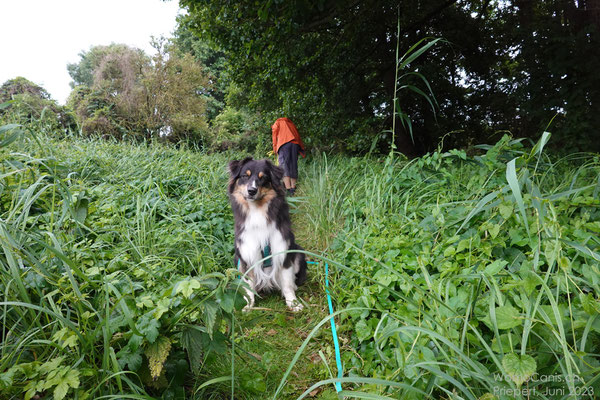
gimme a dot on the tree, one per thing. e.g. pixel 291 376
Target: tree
pixel 213 61
pixel 328 65
pixel 136 95
pixel 508 65
pixel 32 105
pixel 83 71
pixel 107 101
pixel 20 85
pixel 175 91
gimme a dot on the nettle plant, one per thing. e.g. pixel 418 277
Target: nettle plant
pixel 476 275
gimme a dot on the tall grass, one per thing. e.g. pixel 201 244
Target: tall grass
pixel 467 276
pixel 109 252
pixel 458 276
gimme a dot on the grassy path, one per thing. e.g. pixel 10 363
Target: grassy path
pixel 271 336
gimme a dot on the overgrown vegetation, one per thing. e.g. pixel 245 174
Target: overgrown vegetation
pixel 114 267
pixel 457 275
pixel 24 102
pixel 466 276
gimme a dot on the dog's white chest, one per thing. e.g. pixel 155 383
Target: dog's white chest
pixel 257 230
pixel 257 234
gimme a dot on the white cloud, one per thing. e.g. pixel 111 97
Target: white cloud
pixel 38 38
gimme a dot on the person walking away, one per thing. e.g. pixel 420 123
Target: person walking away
pixel 287 144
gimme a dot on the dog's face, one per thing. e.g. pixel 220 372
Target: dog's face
pixel 254 180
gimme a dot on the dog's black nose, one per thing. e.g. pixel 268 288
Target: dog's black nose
pixel 252 191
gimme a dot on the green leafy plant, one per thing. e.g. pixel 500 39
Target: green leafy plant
pixel 111 279
pixel 466 274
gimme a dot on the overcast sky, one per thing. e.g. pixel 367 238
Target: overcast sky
pixel 38 38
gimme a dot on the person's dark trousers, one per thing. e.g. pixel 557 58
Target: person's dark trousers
pixel 288 159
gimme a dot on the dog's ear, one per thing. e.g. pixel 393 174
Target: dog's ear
pixel 235 166
pixel 275 172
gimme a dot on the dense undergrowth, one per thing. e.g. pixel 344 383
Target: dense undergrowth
pixel 467 276
pixel 457 276
pixel 115 265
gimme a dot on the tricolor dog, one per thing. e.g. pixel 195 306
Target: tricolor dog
pixel 263 227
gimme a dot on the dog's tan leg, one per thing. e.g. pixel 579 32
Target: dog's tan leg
pixel 288 289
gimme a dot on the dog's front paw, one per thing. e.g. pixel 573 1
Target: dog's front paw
pixel 295 305
pixel 248 307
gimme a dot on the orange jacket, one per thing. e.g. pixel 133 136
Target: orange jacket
pixel 284 131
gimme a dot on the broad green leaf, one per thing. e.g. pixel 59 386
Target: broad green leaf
pixel 162 306
pixel 519 368
pixel 495 267
pixel 148 327
pixel 81 210
pixel 253 382
pixel 186 287
pixel 504 344
pixel 551 251
pixel 363 330
pixel 550 312
pixel 70 380
pixel 449 251
pixel 226 299
pixel 210 309
pixel 506 210
pixel 493 229
pixel 463 244
pixel 191 340
pixel 530 283
pixel 51 365
pixel 590 304
pixel 133 360
pixel 157 354
pixel 144 301
pixel 6 379
pixel 507 317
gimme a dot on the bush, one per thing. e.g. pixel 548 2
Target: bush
pixel 235 129
pixel 30 105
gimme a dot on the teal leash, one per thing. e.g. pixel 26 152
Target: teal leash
pixel 336 344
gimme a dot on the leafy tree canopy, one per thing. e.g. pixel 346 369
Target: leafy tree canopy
pixel 83 71
pixel 330 65
pixel 20 85
pixel 122 91
pixel 30 104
